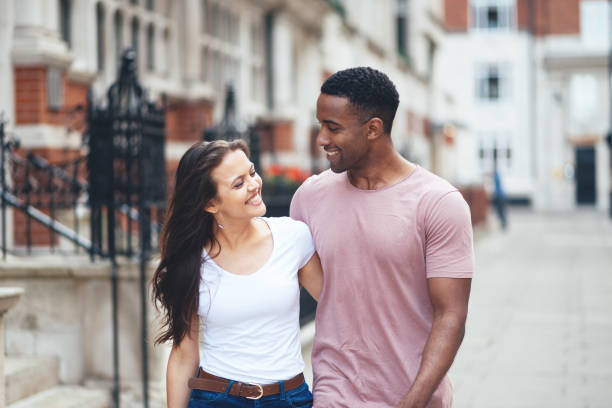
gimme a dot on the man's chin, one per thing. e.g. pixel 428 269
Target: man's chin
pixel 337 169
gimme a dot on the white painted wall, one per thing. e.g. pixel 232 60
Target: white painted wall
pixel 507 119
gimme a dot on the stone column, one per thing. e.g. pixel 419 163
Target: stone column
pixel 8 298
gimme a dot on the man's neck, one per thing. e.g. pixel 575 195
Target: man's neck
pixel 381 172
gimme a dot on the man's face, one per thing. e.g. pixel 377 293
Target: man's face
pixel 342 134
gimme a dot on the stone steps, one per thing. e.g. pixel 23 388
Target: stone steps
pixel 65 396
pixel 26 376
pixel 32 382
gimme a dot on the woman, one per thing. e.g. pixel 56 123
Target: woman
pixel 223 264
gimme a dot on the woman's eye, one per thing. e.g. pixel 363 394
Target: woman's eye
pixel 253 173
pixel 238 185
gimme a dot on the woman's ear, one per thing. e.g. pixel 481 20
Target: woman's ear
pixel 211 207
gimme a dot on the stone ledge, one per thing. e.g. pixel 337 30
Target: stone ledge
pixel 8 298
pixel 66 397
pixel 76 267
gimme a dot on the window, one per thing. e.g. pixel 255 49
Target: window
pixel 100 35
pixel 403 28
pixel 594 24
pixel 65 17
pixel 134 2
pixel 205 18
pixel 492 82
pixel 495 152
pixel 166 53
pixel 135 32
pixel 492 14
pixel 118 28
pixel 55 94
pixel 583 98
pixel 150 5
pixel 204 65
pixel 431 57
pixel 150 48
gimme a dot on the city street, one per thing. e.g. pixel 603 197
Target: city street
pixel 539 331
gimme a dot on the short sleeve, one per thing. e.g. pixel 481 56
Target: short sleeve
pixel 296 210
pixel 449 249
pixel 303 243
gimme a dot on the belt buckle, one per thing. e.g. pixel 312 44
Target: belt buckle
pixel 261 391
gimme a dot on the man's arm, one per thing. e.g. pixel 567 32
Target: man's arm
pixel 449 297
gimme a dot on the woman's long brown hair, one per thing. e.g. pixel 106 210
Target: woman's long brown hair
pixel 187 230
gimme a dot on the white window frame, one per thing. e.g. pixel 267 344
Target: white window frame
pixel 506 11
pixel 485 73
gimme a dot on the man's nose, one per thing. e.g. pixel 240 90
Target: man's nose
pixel 322 139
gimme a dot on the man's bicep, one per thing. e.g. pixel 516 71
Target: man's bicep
pixel 450 295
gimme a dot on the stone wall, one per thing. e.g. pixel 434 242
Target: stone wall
pixel 66 312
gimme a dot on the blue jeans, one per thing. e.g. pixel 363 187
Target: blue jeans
pixel 297 397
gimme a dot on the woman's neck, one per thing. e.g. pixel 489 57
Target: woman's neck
pixel 234 234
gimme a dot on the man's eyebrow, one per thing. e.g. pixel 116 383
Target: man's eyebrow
pixel 330 122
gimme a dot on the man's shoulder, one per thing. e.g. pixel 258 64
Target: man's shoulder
pixel 320 181
pixel 432 186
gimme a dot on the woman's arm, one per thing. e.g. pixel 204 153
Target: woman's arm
pixel 311 276
pixel 182 365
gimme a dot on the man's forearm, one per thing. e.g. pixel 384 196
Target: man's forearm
pixel 444 340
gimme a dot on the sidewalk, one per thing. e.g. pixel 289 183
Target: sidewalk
pixel 539 330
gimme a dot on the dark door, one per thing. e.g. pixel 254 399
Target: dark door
pixel 585 175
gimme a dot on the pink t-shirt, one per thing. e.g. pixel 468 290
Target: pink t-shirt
pixel 377 248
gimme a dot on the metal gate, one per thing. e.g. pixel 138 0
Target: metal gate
pixel 127 188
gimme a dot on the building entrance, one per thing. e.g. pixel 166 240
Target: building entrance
pixel 585 175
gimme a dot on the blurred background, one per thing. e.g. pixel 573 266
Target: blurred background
pixel 509 100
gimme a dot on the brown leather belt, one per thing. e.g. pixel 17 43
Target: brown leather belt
pixel 208 382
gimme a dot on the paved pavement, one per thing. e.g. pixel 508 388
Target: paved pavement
pixel 539 331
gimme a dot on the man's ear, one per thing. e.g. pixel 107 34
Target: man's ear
pixel 375 128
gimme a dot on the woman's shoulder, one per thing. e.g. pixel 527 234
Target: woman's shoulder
pixel 286 224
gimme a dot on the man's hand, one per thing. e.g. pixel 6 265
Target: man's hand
pixel 449 298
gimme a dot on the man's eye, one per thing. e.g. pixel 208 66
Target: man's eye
pixel 333 129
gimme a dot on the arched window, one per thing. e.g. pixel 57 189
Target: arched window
pixel 118 29
pixel 150 48
pixel 64 23
pixel 150 5
pixel 100 35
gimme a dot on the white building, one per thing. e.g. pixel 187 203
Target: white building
pixel 531 85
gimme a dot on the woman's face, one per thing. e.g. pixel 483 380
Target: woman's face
pixel 238 189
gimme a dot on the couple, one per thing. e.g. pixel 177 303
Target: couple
pixel 395 247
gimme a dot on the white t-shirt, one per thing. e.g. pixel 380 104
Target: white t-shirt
pixel 251 322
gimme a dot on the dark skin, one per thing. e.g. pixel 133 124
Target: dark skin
pixel 359 145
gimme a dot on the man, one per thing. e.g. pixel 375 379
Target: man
pixel 395 242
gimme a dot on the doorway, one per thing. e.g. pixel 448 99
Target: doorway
pixel 586 193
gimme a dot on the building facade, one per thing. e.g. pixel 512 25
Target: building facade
pixel 535 95
pixel 275 53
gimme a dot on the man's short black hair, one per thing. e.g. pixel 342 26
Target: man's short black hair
pixel 370 91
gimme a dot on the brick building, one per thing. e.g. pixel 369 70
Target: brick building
pixel 535 96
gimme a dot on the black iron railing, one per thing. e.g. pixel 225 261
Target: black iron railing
pixel 41 192
pixel 120 180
